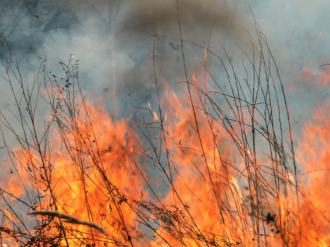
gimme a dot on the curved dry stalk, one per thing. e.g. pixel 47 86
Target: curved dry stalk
pixel 68 219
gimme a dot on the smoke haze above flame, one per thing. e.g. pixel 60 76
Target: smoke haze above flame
pixel 112 40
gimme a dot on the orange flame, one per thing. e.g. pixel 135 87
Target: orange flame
pixel 77 182
pixel 95 174
pixel 313 156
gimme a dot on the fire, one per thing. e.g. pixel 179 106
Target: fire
pixel 95 176
pixel 190 172
pixel 313 156
pixel 204 177
pixel 78 159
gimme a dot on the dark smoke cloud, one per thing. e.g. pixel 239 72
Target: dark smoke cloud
pixel 201 21
pixel 196 17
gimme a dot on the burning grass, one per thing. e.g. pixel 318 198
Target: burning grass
pixel 206 166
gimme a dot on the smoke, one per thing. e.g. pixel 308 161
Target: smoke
pixel 197 18
pixel 201 22
pixel 297 34
pixel 112 40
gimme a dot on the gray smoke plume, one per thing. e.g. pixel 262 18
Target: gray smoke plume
pixel 113 39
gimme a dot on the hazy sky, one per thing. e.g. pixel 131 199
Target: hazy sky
pixel 112 40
